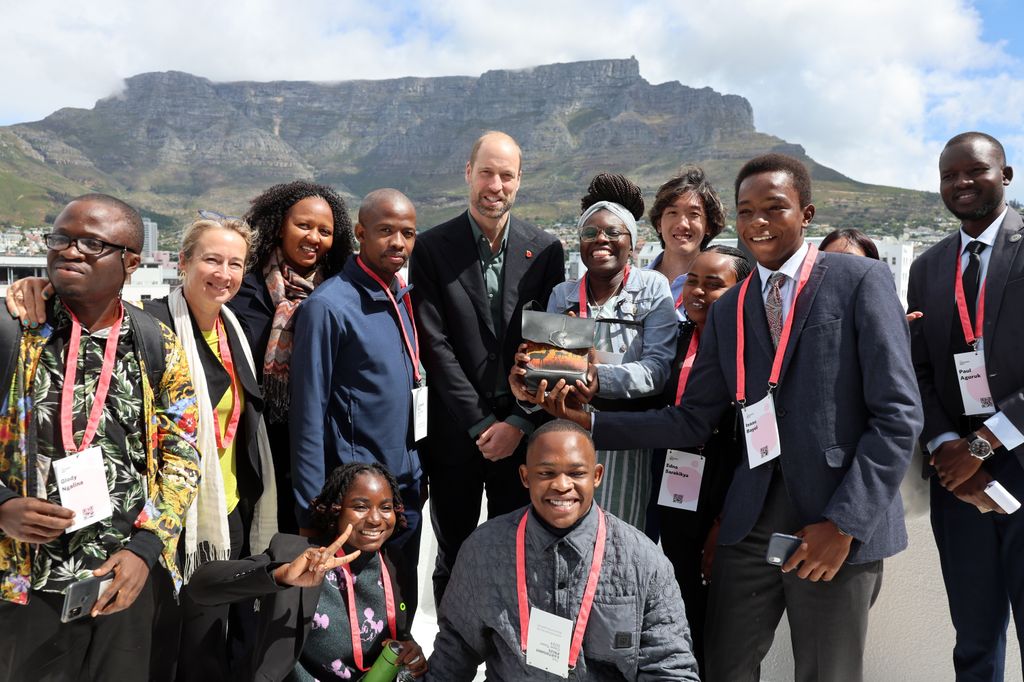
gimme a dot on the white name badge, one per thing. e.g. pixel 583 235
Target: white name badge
pixel 761 431
pixel 973 381
pixel 681 479
pixel 547 642
pixel 419 413
pixel 82 482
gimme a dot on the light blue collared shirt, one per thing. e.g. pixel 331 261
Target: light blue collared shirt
pixel 998 424
pixel 676 286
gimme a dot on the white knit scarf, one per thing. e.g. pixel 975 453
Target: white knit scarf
pixel 206 522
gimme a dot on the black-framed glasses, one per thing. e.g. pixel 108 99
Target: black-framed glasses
pixel 87 246
pixel 588 233
pixel 207 214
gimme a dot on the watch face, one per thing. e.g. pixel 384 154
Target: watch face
pixel 980 447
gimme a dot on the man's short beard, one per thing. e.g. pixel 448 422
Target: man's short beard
pixel 504 208
pixel 984 211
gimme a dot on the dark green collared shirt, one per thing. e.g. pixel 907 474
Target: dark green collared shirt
pixel 492 266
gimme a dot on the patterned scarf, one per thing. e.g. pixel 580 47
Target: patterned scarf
pixel 287 290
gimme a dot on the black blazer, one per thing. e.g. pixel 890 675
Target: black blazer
pixel 285 613
pixel 254 309
pixel 931 292
pixel 250 479
pixel 463 353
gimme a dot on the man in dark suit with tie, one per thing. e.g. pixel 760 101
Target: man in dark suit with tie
pixel 471 277
pixel 971 332
pixel 826 344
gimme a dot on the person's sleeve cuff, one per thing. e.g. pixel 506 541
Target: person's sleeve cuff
pixel 522 424
pixel 478 428
pixel 934 443
pixel 7 494
pixel 1003 429
pixel 146 545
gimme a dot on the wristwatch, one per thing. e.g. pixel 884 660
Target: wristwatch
pixel 978 446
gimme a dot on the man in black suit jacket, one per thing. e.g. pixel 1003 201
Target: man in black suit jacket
pixel 975 442
pixel 847 411
pixel 471 277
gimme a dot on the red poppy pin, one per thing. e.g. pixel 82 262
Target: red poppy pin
pixel 529 254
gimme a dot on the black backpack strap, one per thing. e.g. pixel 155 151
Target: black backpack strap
pixel 150 342
pixel 10 343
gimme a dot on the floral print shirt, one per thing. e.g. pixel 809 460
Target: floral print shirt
pixel 146 435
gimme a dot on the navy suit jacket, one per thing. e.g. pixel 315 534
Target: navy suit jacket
pixel 931 292
pixel 463 353
pixel 847 405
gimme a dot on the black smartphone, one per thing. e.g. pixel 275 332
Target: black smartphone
pixel 82 595
pixel 781 547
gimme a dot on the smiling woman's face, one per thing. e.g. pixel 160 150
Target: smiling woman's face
pixel 605 256
pixel 369 505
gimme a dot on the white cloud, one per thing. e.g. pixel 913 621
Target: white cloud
pixel 870 87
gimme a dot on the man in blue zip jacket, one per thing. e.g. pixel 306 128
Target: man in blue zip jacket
pixel 355 367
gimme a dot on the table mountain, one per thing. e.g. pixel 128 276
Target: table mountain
pixel 173 142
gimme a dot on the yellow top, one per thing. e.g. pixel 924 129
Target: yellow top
pixel 228 464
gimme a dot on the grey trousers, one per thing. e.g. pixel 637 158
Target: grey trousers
pixel 828 620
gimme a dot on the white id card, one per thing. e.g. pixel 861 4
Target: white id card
pixel 82 482
pixel 973 381
pixel 761 431
pixel 419 413
pixel 547 642
pixel 681 479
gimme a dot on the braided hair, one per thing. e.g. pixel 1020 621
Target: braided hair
pixel 266 217
pixel 617 188
pixel 326 507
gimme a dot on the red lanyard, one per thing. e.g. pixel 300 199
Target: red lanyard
pixel 684 371
pixel 787 328
pixel 412 346
pixel 583 290
pixel 588 592
pixel 353 622
pixel 224 348
pixel 67 397
pixel 679 300
pixel 972 336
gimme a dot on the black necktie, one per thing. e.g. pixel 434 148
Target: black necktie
pixel 972 276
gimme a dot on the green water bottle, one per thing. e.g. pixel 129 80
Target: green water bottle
pixel 384 668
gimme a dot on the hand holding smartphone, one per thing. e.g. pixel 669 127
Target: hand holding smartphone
pixel 82 595
pixel 781 547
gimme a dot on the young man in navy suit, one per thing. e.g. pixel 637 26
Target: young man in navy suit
pixel 974 433
pixel 830 412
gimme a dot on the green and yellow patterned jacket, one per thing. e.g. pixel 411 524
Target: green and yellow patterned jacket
pixel 146 437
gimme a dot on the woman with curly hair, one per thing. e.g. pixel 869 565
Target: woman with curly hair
pixel 328 604
pixel 635 337
pixel 302 236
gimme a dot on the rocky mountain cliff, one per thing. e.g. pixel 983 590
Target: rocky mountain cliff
pixel 171 142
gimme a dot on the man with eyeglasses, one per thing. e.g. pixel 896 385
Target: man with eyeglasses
pixel 471 277
pixel 97 459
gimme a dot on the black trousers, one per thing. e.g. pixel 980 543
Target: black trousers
pixel 685 553
pixel 828 620
pixel 458 475
pixel 981 557
pixel 192 641
pixel 35 645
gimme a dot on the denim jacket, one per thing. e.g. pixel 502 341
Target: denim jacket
pixel 647 347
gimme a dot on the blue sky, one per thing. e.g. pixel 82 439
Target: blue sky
pixel 872 88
